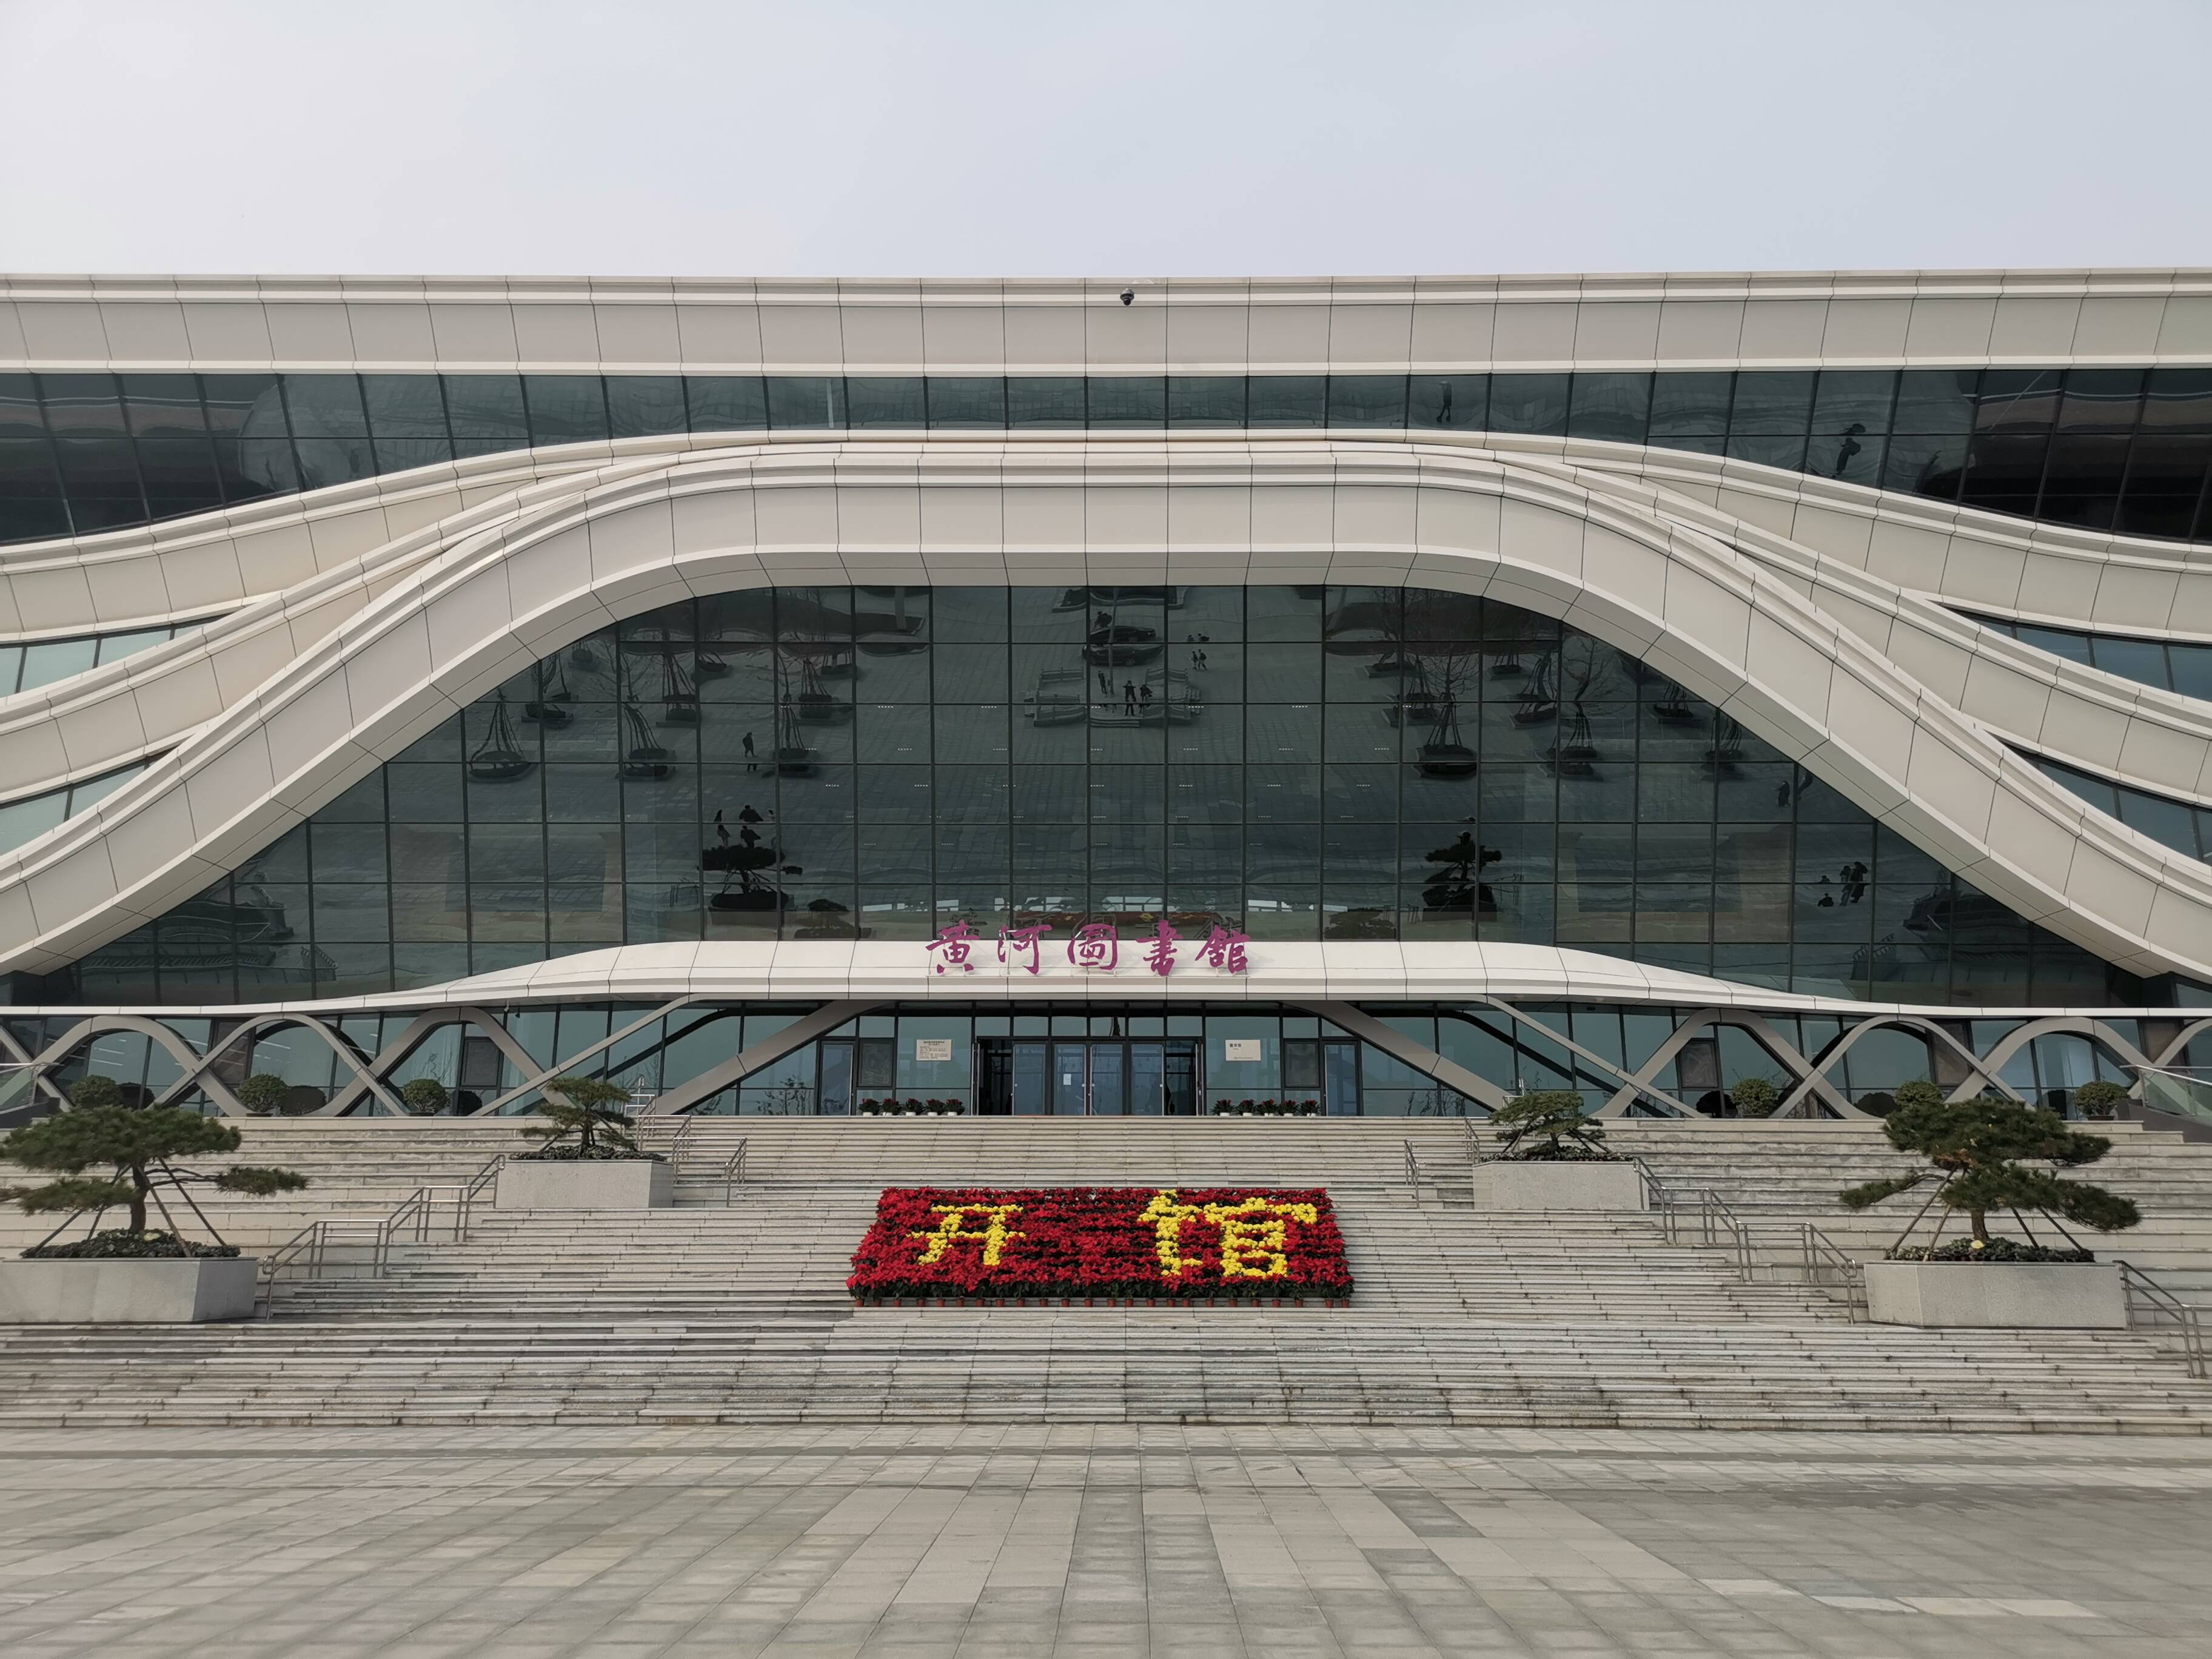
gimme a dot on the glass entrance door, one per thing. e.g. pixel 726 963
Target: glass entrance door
pixel 1090 1076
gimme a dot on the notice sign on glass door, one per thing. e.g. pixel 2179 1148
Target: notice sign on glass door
pixel 929 1048
pixel 1241 1049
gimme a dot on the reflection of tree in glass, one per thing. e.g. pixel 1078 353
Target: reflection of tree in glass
pixel 1455 886
pixel 1441 640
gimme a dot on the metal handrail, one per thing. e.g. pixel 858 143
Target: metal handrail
pixel 1413 1172
pixel 2184 1315
pixel 733 1173
pixel 464 1203
pixel 1822 1255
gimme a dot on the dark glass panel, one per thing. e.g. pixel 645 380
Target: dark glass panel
pixel 486 409
pixel 968 402
pixel 1205 400
pixel 1926 466
pixel 404 406
pixel 2157 515
pixel 20 413
pixel 2083 512
pixel 565 408
pixel 1457 403
pixel 1127 402
pixel 98 467
pixel 2004 470
pixel 1616 407
pixel 1848 456
pixel 28 471
pixel 805 402
pixel 83 405
pixel 886 400
pixel 2141 660
pixel 1691 406
pixel 726 402
pixel 31 519
pixel 163 405
pixel 2178 400
pixel 253 467
pixel 1532 404
pixel 2192 668
pixel 1367 400
pixel 244 405
pixel 1785 450
pixel 325 461
pixel 2101 400
pixel 1286 400
pixel 644 405
pixel 1936 401
pixel 1772 402
pixel 325 405
pixel 1047 401
pixel 180 475
pixel 2086 465
pixel 2168 464
pixel 1847 398
pixel 2017 400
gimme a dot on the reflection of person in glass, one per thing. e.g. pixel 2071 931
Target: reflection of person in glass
pixel 1851 446
pixel 1128 696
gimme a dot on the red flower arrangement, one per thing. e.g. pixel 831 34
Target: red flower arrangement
pixel 1140 1243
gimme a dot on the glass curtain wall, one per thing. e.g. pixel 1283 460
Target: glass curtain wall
pixel 1302 762
pixel 2104 448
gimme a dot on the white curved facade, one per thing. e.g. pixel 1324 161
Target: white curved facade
pixel 1826 618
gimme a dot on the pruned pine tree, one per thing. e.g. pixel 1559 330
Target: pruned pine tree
pixel 1983 1156
pixel 1548 1124
pixel 591 1110
pixel 109 1156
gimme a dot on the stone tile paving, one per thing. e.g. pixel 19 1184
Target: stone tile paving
pixel 1093 1543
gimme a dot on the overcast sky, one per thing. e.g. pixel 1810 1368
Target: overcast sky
pixel 1118 139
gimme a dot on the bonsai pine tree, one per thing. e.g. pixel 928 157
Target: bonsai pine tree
pixel 425 1096
pixel 263 1094
pixel 130 1147
pixel 1754 1096
pixel 1552 1124
pixel 589 1108
pixel 1982 1155
pixel 2101 1100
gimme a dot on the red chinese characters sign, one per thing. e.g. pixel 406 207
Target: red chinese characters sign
pixel 1144 1243
pixel 1095 948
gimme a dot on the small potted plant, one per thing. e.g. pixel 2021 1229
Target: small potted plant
pixel 1988 1155
pixel 586 1158
pixel 2100 1102
pixel 107 1155
pixel 425 1096
pixel 1552 1156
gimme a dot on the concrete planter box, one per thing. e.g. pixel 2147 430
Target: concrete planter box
pixel 613 1183
pixel 124 1291
pixel 1522 1184
pixel 1998 1294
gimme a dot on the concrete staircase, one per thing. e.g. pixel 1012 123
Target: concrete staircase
pixel 710 1312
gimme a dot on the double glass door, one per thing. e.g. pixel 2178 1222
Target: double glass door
pixel 1092 1077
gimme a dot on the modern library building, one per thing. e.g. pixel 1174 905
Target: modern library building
pixel 1363 696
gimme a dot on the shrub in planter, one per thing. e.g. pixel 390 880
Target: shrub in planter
pixel 2100 1100
pixel 130 1147
pixel 1754 1096
pixel 1549 1125
pixel 1982 1155
pixel 585 1121
pixel 425 1096
pixel 263 1094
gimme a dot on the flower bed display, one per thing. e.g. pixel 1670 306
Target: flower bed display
pixel 1102 1243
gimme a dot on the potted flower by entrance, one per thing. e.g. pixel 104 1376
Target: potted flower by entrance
pixel 587 1158
pixel 1552 1156
pixel 1983 1156
pixel 108 1155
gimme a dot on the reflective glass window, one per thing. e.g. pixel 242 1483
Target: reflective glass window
pixel 798 402
pixel 1935 401
pixel 886 400
pixel 163 405
pixel 1127 401
pixel 1531 403
pixel 20 413
pixel 565 407
pixel 1045 401
pixel 1205 400
pixel 486 413
pixel 726 402
pixel 1772 403
pixel 2017 400
pixel 325 405
pixel 1616 407
pixel 1458 403
pixel 1691 406
pixel 1853 400
pixel 2178 400
pixel 2101 400
pixel 1286 400
pixel 1367 400
pixel 973 403
pixel 645 405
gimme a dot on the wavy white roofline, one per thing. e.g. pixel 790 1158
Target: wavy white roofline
pixel 1691 604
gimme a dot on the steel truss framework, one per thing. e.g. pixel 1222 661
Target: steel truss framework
pixel 1810 1093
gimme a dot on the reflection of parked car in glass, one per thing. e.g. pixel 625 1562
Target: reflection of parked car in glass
pixel 1957 913
pixel 1119 643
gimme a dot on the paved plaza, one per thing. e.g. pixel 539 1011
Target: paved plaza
pixel 953 1539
